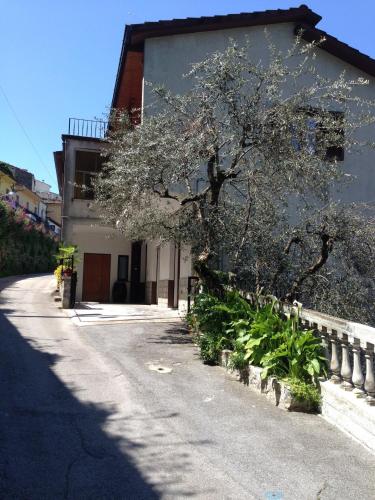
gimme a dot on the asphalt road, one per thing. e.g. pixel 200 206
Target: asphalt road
pixel 86 413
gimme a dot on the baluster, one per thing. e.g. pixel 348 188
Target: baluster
pixel 334 365
pixel 358 377
pixel 346 369
pixel 370 380
pixel 323 336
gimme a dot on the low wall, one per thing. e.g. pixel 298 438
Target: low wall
pixel 348 396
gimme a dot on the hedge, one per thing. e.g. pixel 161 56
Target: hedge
pixel 25 247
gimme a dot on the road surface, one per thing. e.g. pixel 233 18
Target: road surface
pixel 128 411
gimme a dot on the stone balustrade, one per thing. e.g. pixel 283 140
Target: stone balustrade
pixel 349 349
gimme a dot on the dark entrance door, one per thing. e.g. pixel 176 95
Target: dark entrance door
pixel 96 277
pixel 137 289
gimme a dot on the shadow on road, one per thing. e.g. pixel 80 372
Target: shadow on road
pixel 52 445
pixel 176 334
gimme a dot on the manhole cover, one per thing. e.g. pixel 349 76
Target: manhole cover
pixel 159 368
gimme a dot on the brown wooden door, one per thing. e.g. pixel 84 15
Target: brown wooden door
pixel 96 277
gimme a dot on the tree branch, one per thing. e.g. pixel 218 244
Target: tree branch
pixel 325 250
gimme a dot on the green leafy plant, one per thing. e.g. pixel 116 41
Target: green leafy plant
pixel 67 251
pixel 305 392
pixel 210 347
pixel 212 317
pixel 58 274
pixel 237 360
pixel 70 256
pixel 298 356
pixel 263 336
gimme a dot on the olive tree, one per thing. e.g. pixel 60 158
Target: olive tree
pixel 246 168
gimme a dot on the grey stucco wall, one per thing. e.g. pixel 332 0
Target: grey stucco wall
pixel 168 58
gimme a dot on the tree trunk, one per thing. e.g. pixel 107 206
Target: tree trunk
pixel 208 277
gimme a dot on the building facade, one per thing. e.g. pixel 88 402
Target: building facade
pixel 20 189
pixel 161 53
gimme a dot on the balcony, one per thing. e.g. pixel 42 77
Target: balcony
pixel 97 129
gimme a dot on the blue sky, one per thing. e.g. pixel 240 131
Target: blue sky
pixel 58 59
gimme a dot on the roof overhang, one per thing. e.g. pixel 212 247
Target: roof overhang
pixel 58 156
pixel 136 34
pixel 337 48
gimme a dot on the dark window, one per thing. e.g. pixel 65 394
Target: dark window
pixel 322 133
pixel 123 268
pixel 88 164
pixel 334 147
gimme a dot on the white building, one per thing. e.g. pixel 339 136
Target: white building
pixel 161 52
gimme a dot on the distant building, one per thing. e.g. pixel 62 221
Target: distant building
pixel 23 177
pixel 18 188
pixel 51 200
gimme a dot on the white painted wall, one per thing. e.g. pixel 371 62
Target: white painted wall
pixel 41 186
pixel 167 58
pixel 91 239
pixel 76 208
pixel 81 225
pixel 151 260
pixel 185 263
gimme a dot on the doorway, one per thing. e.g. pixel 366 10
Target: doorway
pixel 96 277
pixel 137 289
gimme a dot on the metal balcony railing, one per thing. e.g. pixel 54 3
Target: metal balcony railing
pixel 88 128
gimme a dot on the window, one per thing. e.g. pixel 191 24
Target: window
pixel 88 164
pixel 322 133
pixel 334 147
pixel 123 268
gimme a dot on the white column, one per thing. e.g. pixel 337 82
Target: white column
pixel 334 365
pixel 346 369
pixel 358 378
pixel 370 380
pixel 325 346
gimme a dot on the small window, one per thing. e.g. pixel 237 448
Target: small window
pixel 317 137
pixel 123 268
pixel 335 147
pixel 88 164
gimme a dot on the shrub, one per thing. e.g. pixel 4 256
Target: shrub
pixel 24 247
pixel 263 336
pixel 303 391
pixel 299 356
pixel 58 274
pixel 237 360
pixel 212 317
